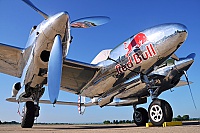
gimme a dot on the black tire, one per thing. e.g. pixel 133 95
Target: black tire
pixel 159 112
pixel 28 115
pixel 168 111
pixel 140 117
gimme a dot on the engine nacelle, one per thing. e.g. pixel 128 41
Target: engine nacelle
pixel 15 89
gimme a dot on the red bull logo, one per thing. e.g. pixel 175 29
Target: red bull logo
pixel 136 58
pixel 137 41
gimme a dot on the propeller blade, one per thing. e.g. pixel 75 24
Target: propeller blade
pixel 186 76
pixel 36 9
pixel 55 69
pixel 88 22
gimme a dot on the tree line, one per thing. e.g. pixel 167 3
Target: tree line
pixel 178 118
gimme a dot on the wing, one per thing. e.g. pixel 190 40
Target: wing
pixel 11 60
pixel 75 75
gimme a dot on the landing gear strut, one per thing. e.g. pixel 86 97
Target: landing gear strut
pixel 31 109
pixel 159 111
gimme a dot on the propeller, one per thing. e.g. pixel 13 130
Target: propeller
pixel 88 22
pixel 186 76
pixel 79 23
pixel 36 9
pixel 55 69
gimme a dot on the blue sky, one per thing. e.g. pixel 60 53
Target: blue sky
pixel 127 18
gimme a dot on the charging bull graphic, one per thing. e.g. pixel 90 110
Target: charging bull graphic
pixel 137 41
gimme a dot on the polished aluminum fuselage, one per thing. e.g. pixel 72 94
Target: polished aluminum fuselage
pixel 39 46
pixel 165 77
pixel 162 41
pixel 122 64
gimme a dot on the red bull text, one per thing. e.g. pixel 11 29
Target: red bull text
pixel 136 58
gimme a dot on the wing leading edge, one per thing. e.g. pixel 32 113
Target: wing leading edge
pixel 11 60
pixel 75 75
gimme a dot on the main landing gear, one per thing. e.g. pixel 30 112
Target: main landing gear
pixel 30 111
pixel 159 111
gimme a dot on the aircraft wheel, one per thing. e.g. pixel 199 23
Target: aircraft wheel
pixel 28 115
pixel 159 112
pixel 168 112
pixel 140 117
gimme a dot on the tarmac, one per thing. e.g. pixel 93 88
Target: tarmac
pixel 190 127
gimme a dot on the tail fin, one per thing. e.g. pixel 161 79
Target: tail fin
pixel 81 107
pixel 192 55
pixel 103 55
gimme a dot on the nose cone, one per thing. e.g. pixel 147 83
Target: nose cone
pixel 179 27
pixel 169 38
pixel 175 33
pixel 56 24
pixel 181 32
pixel 59 21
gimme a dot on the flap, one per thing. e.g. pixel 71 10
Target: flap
pixel 75 75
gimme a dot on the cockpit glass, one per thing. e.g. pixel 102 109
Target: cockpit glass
pixel 170 62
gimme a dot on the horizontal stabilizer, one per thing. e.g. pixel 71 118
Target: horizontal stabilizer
pixel 128 102
pixel 13 99
pixel 182 83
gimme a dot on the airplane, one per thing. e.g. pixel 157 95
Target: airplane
pixel 137 68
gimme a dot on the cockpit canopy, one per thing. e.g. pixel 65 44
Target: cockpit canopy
pixel 168 62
